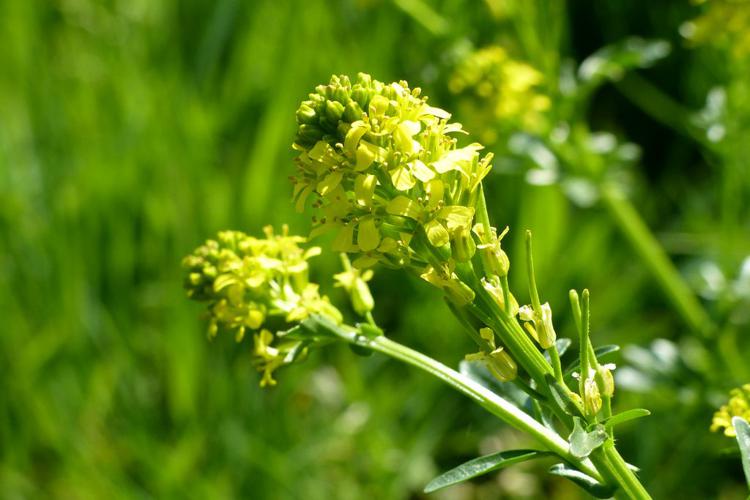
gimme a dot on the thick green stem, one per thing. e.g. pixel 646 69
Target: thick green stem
pixel 656 260
pixel 624 475
pixel 487 399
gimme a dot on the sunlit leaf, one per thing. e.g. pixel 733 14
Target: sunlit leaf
pixel 480 466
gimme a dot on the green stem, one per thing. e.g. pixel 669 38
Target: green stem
pixel 498 406
pixel 624 475
pixel 605 464
pixel 656 260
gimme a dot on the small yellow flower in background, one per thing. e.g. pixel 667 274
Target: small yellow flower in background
pixel 384 165
pixel 247 281
pixel 724 23
pixel 499 92
pixel 738 406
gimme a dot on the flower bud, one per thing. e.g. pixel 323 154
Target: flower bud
pixel 592 400
pixel 462 245
pixel 502 365
pixel 605 380
pixel 545 329
pixel 494 259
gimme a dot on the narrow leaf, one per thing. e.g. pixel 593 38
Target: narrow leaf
pixel 480 466
pixel 583 442
pixel 601 352
pixel 588 483
pixel 625 416
pixel 742 428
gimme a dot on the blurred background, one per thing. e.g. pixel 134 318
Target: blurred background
pixel 130 131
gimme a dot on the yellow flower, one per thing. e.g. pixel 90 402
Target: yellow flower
pixel 738 406
pixel 246 280
pixel 499 92
pixel 383 169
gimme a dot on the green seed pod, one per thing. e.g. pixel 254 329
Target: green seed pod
pixel 502 365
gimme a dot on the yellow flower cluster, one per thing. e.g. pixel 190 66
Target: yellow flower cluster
pixel 247 281
pixel 499 91
pixel 738 406
pixel 383 165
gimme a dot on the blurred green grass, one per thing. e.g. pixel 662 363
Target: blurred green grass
pixel 131 131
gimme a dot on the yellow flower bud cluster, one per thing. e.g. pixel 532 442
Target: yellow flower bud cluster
pixel 499 90
pixel 382 164
pixel 738 406
pixel 249 281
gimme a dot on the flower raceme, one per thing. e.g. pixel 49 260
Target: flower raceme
pixel 384 165
pixel 250 282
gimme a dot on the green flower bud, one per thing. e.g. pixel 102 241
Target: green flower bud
pixel 605 380
pixel 462 245
pixel 354 281
pixel 502 365
pixel 592 400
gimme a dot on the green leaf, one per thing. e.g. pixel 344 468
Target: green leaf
pixel 583 442
pixel 625 416
pixel 480 466
pixel 588 483
pixel 601 353
pixel 742 428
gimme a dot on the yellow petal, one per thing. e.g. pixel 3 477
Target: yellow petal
pixel 378 105
pixel 436 233
pixel 404 206
pixel 344 241
pixel 435 191
pixel 421 171
pixel 355 133
pixel 456 216
pixel 368 237
pixel 364 189
pixel 330 182
pixel 402 179
pixel 365 156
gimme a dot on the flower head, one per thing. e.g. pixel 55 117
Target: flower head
pixel 250 282
pixel 738 406
pixel 383 165
pixel 499 90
